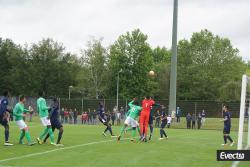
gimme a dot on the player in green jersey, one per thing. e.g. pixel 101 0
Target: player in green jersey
pixel 132 114
pixel 43 110
pixel 19 113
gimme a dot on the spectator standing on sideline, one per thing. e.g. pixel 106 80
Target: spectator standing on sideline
pixel 82 117
pixel 85 118
pixel 31 112
pixel 75 116
pixel 62 115
pixel 113 118
pixel 94 116
pixel 89 116
pixel 122 111
pixel 203 115
pixel 199 120
pixel 115 110
pixel 178 115
pixel 169 120
pixel 118 118
pixel 157 118
pixel 66 115
pixel 173 115
pixel 193 120
pixel 71 116
pixel 188 119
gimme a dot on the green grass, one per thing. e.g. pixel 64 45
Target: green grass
pixel 191 148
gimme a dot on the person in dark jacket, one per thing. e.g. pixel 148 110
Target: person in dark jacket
pixel 113 118
pixel 193 121
pixel 188 119
pixel 75 116
pixel 199 120
pixel 178 115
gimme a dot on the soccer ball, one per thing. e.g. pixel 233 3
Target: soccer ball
pixel 151 73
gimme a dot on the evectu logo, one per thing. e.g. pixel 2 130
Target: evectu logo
pixel 233 155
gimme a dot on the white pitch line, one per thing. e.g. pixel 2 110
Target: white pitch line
pixel 54 150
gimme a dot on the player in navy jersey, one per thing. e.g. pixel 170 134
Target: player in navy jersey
pixel 55 122
pixel 163 124
pixel 150 123
pixel 151 119
pixel 104 121
pixel 227 126
pixel 4 116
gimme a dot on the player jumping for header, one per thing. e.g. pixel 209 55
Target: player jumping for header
pixel 104 121
pixel 163 124
pixel 132 114
pixel 147 104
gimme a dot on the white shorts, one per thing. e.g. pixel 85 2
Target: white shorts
pixel 45 121
pixel 131 122
pixel 21 124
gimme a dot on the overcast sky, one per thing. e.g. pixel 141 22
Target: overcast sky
pixel 74 22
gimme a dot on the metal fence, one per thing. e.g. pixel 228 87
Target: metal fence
pixel 211 108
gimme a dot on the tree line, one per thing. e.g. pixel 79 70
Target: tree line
pixel 209 68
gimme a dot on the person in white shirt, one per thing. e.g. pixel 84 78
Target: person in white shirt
pixel 118 118
pixel 169 120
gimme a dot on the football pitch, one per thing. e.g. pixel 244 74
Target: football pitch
pixel 85 146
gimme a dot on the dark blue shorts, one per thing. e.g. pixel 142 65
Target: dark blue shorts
pixel 3 122
pixel 163 124
pixel 226 130
pixel 56 123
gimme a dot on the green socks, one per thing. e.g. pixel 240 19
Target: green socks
pixel 27 135
pixel 45 131
pixel 51 135
pixel 129 129
pixel 22 134
pixel 133 133
pixel 122 130
pixel 138 129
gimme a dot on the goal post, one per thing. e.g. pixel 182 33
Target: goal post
pixel 248 136
pixel 244 111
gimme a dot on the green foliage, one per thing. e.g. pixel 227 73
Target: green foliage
pixel 209 68
pixel 162 58
pixel 12 63
pixel 94 69
pixel 133 55
pixel 44 66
